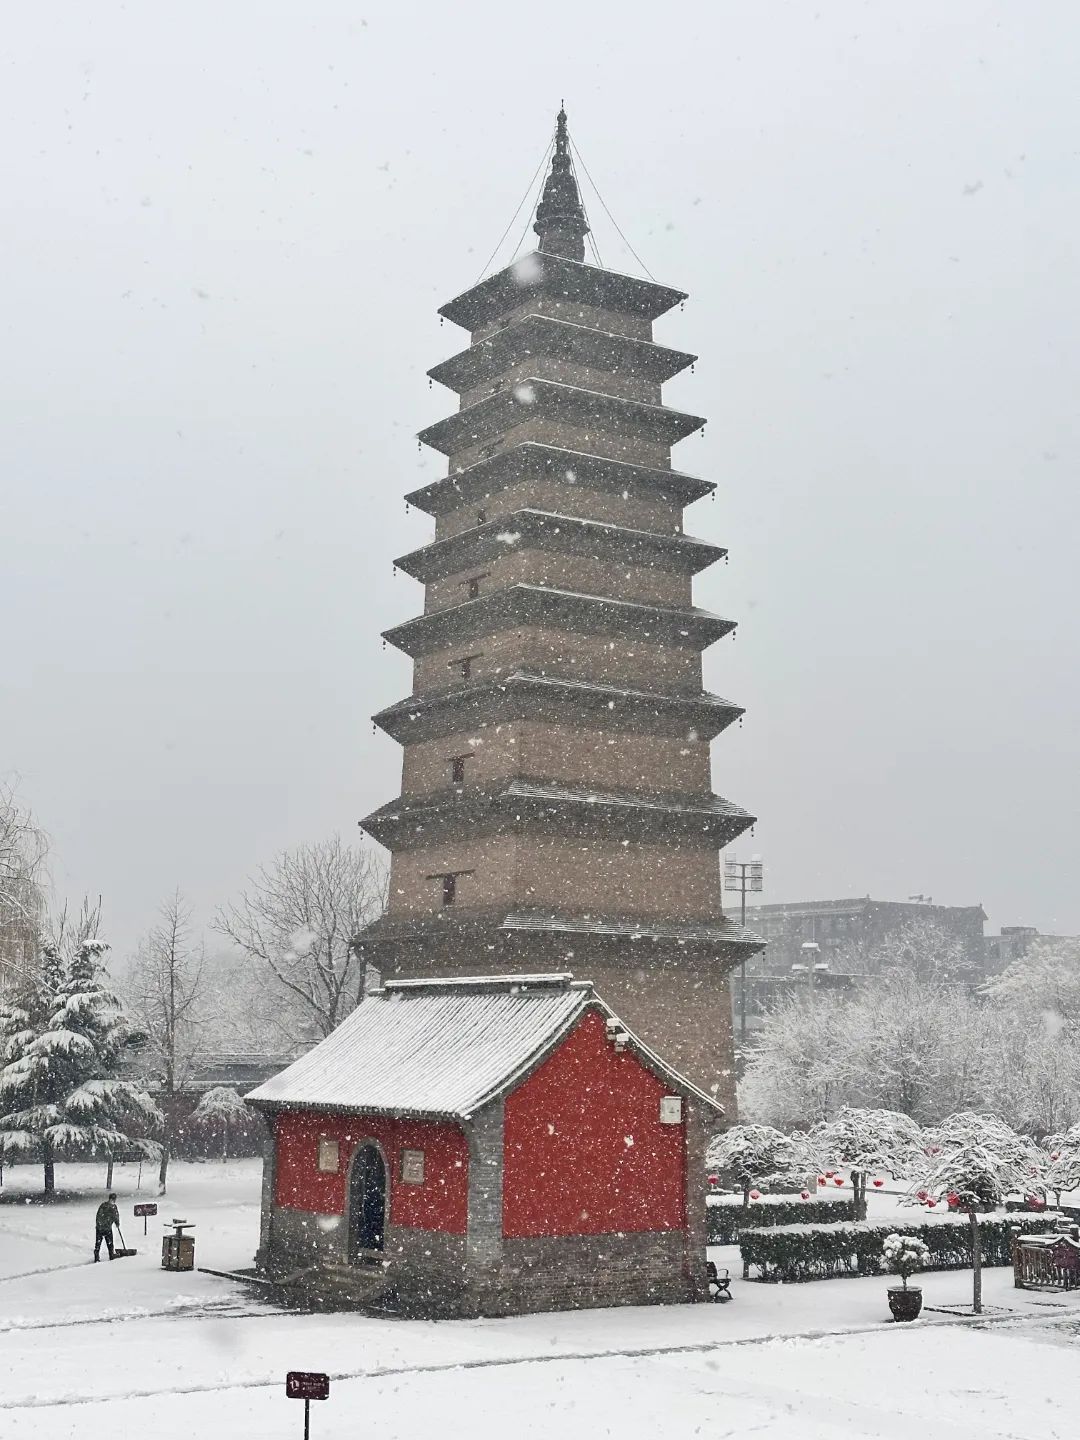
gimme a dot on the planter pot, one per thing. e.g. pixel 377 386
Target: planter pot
pixel 905 1304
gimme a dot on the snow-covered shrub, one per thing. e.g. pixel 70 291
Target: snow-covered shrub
pixel 904 1255
pixel 826 1252
pixel 727 1221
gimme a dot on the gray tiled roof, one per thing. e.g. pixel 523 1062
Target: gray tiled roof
pixel 440 1048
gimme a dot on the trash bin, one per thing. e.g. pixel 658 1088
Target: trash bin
pixel 178 1249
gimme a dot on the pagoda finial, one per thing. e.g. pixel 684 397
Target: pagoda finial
pixel 560 216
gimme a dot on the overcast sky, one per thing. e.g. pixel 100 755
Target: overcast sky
pixel 225 231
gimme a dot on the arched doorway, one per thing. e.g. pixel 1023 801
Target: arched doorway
pixel 367 1201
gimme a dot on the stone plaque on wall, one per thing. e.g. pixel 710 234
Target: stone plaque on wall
pixel 329 1155
pixel 412 1167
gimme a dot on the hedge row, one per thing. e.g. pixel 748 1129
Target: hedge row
pixel 727 1221
pixel 825 1252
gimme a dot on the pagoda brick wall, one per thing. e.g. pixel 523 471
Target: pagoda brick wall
pixel 603 659
pixel 582 574
pixel 540 493
pixel 552 872
pixel 571 755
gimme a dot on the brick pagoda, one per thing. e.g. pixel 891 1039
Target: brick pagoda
pixel 556 810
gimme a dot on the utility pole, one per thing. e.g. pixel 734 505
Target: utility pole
pixel 743 876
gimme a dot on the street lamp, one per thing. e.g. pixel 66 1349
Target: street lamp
pixel 743 876
pixel 810 963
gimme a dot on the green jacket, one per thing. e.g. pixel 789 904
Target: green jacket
pixel 107 1217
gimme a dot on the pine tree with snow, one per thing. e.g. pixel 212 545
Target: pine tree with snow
pixel 862 1142
pixel 756 1154
pixel 60 1094
pixel 221 1106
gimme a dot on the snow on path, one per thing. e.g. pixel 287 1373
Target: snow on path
pixel 137 1349
pixel 957 1384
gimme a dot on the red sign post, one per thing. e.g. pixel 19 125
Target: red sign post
pixel 307 1385
pixel 149 1208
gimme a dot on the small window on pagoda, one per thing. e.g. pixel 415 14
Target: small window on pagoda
pixel 457 769
pixel 472 585
pixel 449 889
pixel 466 663
pixel 481 517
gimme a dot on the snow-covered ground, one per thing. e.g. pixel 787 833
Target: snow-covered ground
pixel 132 1349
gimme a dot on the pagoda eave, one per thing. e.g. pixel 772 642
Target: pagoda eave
pixel 422 820
pixel 522 695
pixel 535 335
pixel 484 478
pixel 566 533
pixel 718 939
pixel 531 398
pixel 541 605
pixel 563 279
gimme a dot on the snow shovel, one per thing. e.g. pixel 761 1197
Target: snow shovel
pixel 121 1252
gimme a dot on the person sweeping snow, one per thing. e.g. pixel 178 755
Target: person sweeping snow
pixel 107 1216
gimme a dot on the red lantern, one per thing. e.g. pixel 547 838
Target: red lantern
pixel 878 1184
pixel 1056 1155
pixel 838 1180
pixel 714 1179
pixel 804 1194
pixel 755 1194
pixel 922 1195
pixel 821 1179
pixel 829 1174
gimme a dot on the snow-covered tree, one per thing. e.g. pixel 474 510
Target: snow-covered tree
pixel 862 1142
pixel 977 1160
pixel 166 987
pixel 757 1155
pixel 1043 981
pixel 803 1066
pixel 900 1043
pixel 926 950
pixel 1062 1169
pixel 219 1108
pixel 23 850
pixel 60 1094
pixel 297 925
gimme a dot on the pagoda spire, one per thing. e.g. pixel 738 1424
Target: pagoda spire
pixel 560 216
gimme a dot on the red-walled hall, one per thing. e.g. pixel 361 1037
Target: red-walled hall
pixel 440 1203
pixel 584 1150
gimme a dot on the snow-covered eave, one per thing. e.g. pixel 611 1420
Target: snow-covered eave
pixel 537 270
pixel 709 714
pixel 445 557
pixel 483 359
pixel 470 618
pixel 495 413
pixel 586 467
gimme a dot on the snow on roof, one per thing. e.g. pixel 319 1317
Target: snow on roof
pixel 721 931
pixel 440 1048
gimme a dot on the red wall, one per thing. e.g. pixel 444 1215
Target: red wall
pixel 569 1169
pixel 440 1203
